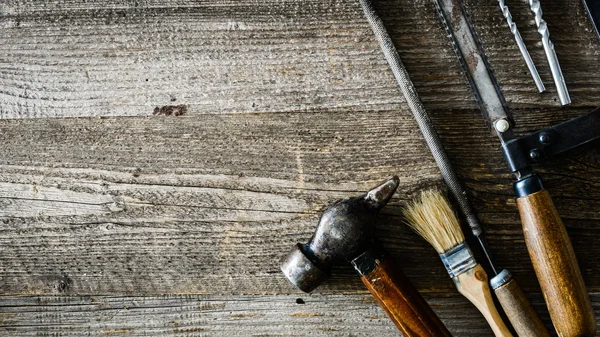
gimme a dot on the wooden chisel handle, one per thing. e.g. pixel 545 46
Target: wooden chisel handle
pixel 515 304
pixel 554 261
pixel 398 297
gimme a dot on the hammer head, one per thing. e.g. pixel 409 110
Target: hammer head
pixel 346 230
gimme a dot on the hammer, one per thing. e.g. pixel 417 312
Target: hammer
pixel 346 233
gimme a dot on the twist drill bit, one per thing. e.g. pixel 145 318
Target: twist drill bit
pixel 522 48
pixel 559 80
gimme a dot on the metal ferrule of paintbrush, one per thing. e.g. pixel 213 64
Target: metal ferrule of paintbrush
pixel 458 260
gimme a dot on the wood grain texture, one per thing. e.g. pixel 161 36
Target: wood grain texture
pixel 215 219
pixel 236 56
pixel 159 205
pixel 401 301
pixel 115 58
pixel 556 266
pixel 214 315
pixel 519 311
pixel 267 112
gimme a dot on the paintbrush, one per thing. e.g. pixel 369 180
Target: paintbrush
pixel 431 217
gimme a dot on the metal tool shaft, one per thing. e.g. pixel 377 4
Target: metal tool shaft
pixel 513 29
pixel 425 125
pixel 469 51
pixel 559 80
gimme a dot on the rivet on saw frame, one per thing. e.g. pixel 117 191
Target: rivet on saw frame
pixel 502 125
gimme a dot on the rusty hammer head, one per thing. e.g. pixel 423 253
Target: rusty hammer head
pixel 346 230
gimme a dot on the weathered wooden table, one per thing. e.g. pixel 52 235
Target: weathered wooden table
pixel 158 158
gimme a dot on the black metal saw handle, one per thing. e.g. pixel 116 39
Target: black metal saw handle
pixel 522 152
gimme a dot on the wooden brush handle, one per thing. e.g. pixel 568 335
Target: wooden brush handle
pixel 399 298
pixel 473 284
pixel 520 312
pixel 556 266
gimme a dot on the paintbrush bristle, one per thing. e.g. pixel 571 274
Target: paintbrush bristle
pixel 431 217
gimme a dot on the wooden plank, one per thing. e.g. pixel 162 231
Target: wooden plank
pixel 178 205
pixel 115 59
pixel 284 107
pixel 201 315
pixel 233 57
pixel 210 203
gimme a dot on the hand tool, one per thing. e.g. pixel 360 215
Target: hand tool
pixel 431 217
pixel 514 300
pixel 346 233
pixel 547 240
pixel 592 7
pixel 521 45
pixel 559 80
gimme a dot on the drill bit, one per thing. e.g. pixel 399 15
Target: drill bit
pixel 559 80
pixel 521 45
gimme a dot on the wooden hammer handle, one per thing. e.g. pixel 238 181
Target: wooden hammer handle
pixel 556 266
pixel 401 301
